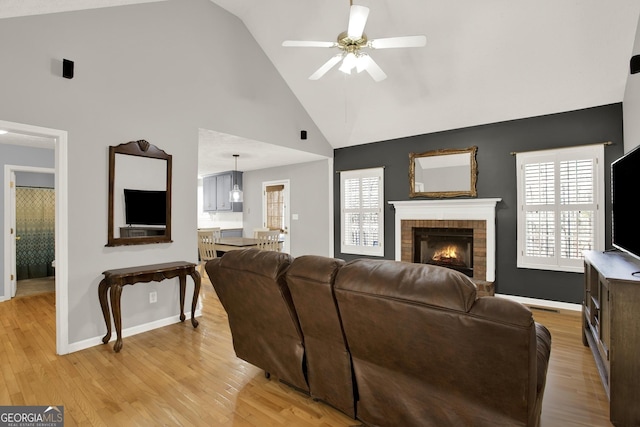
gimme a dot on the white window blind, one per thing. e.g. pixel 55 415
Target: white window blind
pixel 275 207
pixel 560 206
pixel 362 215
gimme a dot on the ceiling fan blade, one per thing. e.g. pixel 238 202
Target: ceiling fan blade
pixel 392 42
pixel 302 43
pixel 372 68
pixel 326 67
pixel 357 20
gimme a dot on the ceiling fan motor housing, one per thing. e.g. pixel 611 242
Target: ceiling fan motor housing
pixel 349 45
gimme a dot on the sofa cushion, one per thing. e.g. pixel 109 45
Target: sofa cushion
pixel 419 283
pixel 310 279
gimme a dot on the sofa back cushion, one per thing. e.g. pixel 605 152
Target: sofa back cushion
pixel 264 324
pixel 310 279
pixel 427 353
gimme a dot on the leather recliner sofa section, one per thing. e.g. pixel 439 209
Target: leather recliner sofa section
pixel 263 321
pixel 329 371
pixel 427 352
pixel 386 342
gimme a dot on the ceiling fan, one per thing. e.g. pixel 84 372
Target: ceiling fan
pixel 351 43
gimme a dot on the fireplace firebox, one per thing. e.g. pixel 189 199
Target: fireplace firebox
pixel 445 247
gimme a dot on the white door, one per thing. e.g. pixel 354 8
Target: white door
pixel 275 209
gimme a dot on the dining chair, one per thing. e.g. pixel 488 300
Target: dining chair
pixel 268 240
pixel 257 230
pixel 207 238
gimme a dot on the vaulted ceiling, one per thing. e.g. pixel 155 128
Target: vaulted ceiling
pixel 484 62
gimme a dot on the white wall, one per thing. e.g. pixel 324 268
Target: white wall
pixel 631 104
pixel 155 71
pixel 310 183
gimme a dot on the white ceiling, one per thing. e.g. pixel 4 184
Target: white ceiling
pixel 216 150
pixel 484 62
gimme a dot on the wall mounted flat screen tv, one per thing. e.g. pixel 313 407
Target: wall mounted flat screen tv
pixel 145 207
pixel 625 188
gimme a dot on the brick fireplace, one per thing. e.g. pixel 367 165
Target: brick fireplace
pixel 475 215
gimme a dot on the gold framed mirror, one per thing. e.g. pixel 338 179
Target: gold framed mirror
pixel 443 173
pixel 139 194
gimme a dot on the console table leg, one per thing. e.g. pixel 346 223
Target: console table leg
pixel 116 293
pixel 183 287
pixel 103 287
pixel 196 293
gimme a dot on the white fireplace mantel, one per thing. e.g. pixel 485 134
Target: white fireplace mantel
pixel 450 209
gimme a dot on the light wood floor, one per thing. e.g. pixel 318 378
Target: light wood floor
pixel 180 376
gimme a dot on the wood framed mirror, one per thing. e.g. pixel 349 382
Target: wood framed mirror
pixel 443 173
pixel 139 194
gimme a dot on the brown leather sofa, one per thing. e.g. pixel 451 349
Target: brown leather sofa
pixel 388 343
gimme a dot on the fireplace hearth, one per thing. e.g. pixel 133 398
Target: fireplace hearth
pixel 444 247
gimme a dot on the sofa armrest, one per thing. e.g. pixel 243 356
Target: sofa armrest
pixel 543 347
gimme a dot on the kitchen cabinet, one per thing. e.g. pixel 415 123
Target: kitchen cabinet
pixel 216 190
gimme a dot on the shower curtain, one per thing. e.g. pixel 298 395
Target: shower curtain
pixel 35 232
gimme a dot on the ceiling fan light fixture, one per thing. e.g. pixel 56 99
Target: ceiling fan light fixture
pixel 348 63
pixel 362 62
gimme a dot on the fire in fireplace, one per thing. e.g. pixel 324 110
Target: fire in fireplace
pixel 446 247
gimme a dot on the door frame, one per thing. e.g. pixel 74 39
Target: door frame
pixel 10 213
pixel 61 223
pixel 286 245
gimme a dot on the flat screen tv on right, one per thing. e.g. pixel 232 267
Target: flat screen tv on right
pixel 625 189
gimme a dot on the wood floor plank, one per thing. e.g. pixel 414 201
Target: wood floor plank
pixel 178 375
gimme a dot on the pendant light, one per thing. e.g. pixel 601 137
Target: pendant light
pixel 235 195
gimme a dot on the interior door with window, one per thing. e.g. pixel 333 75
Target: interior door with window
pixel 275 210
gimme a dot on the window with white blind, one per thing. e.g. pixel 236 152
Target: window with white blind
pixel 560 207
pixel 362 213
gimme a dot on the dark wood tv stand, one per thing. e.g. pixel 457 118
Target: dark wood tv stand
pixel 610 327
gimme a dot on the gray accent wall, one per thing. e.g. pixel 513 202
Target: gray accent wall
pixel 632 103
pixel 496 178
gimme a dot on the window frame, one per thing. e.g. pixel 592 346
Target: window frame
pixel 556 156
pixel 377 250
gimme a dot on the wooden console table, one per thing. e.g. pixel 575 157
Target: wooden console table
pixel 114 280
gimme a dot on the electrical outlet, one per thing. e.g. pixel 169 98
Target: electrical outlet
pixel 153 297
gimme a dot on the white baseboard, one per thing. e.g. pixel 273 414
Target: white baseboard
pixel 92 342
pixel 543 302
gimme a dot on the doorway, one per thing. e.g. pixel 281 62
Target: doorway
pixel 31 214
pixel 57 140
pixel 275 210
